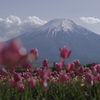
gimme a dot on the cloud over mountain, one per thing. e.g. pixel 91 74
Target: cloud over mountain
pixel 90 20
pixel 13 26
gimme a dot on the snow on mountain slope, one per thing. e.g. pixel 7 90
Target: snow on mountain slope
pixel 68 26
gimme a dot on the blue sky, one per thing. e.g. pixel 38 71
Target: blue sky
pixel 84 12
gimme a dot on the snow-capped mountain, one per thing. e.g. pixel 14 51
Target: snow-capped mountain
pixel 59 32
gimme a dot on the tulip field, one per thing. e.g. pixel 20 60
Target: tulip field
pixel 64 81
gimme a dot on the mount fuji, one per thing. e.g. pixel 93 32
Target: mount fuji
pixel 56 33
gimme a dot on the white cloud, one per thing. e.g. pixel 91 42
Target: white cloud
pixel 34 20
pixel 90 20
pixel 13 26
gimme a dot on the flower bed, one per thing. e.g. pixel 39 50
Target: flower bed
pixel 70 81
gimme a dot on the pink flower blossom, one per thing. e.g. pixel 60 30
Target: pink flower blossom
pixel 94 71
pixel 13 83
pixel 17 76
pixel 59 66
pixel 89 78
pixel 21 87
pixel 3 71
pixel 31 82
pixel 98 68
pixel 63 77
pixel 87 69
pixel 26 75
pixel 26 64
pixel 45 63
pixel 82 85
pixel 56 73
pixel 12 54
pixel 70 66
pixel 94 63
pixel 45 84
pixel 81 70
pixel 76 62
pixel 98 77
pixel 64 52
pixel 44 74
pixel 33 54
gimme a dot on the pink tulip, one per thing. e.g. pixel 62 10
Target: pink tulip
pixel 87 69
pixel 72 75
pixel 59 66
pixel 51 78
pixel 70 66
pixel 89 78
pixel 38 70
pixel 81 70
pixel 98 77
pixel 76 62
pixel 63 77
pixel 44 74
pixel 13 83
pixel 45 84
pixel 33 54
pixel 98 68
pixel 64 52
pixel 31 82
pixel 17 76
pixel 56 73
pixel 45 63
pixel 21 87
pixel 12 54
pixel 3 71
pixel 94 63
pixel 26 75
pixel 94 71
pixel 26 64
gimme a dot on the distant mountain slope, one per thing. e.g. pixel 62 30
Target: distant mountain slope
pixel 59 32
